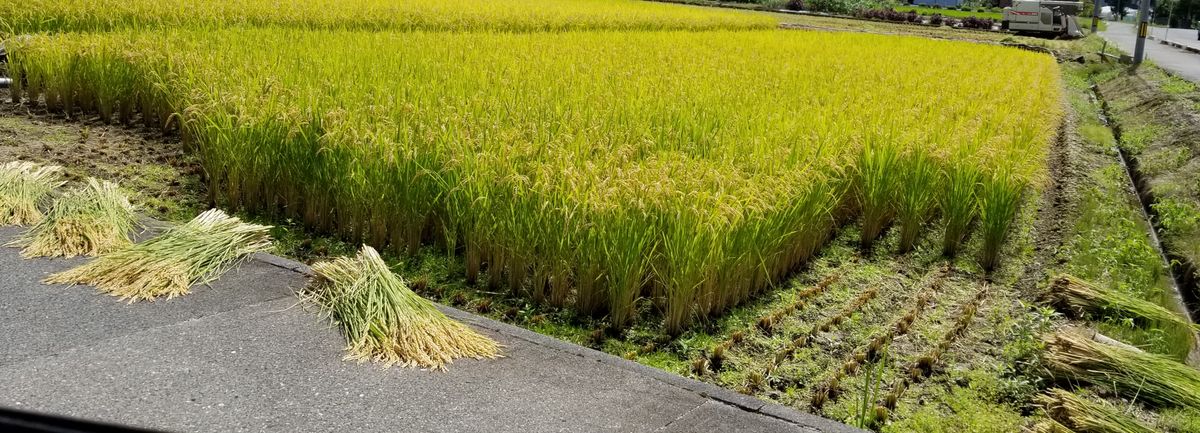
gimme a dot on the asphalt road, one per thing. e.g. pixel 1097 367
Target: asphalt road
pixel 1183 63
pixel 241 356
pixel 1184 36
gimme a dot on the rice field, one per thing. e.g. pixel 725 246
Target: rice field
pixel 683 170
pixel 28 16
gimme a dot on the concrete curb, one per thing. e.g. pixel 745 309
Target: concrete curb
pixel 1168 42
pixel 707 390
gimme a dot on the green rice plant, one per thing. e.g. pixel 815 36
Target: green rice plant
pixel 958 204
pixel 1083 415
pixel 1079 297
pixel 867 414
pixel 878 162
pixel 623 166
pixel 384 321
pixel 919 183
pixel 25 190
pixel 1150 378
pixel 169 264
pixel 90 220
pixel 998 199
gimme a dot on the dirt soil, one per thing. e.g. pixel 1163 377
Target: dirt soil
pixel 1058 207
pixel 164 179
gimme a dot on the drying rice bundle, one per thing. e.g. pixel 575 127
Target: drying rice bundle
pixel 94 219
pixel 387 322
pixel 1080 296
pixel 1081 415
pixel 24 189
pixel 168 265
pixel 1148 377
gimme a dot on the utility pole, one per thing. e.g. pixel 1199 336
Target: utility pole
pixel 1096 14
pixel 1139 49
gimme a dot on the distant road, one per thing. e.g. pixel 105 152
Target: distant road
pixel 1182 63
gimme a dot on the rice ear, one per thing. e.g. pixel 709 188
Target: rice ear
pixel 25 189
pixel 384 321
pixel 94 219
pixel 169 264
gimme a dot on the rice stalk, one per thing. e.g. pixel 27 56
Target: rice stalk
pixel 1147 377
pixel 168 265
pixel 25 190
pixel 1049 426
pixel 1083 415
pixel 93 219
pixel 998 200
pixel 957 203
pixel 877 163
pixel 1079 297
pixel 384 321
pixel 919 180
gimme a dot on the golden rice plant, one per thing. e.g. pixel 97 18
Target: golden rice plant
pixel 622 167
pixel 168 265
pixel 95 218
pixel 384 321
pixel 31 16
pixel 25 189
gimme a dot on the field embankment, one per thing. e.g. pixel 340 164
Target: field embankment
pixel 1159 131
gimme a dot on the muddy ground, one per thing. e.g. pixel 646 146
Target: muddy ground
pixel 163 176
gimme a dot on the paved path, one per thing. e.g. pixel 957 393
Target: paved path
pixel 241 356
pixel 1183 63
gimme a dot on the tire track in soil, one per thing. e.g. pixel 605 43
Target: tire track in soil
pixel 1056 206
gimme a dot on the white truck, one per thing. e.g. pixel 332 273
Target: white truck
pixel 1044 17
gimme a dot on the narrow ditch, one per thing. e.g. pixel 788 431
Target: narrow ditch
pixel 1181 271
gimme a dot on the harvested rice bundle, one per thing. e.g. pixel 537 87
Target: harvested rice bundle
pixel 1151 378
pixel 169 264
pixel 1049 426
pixel 385 321
pixel 1081 415
pixel 24 189
pixel 94 219
pixel 1080 296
